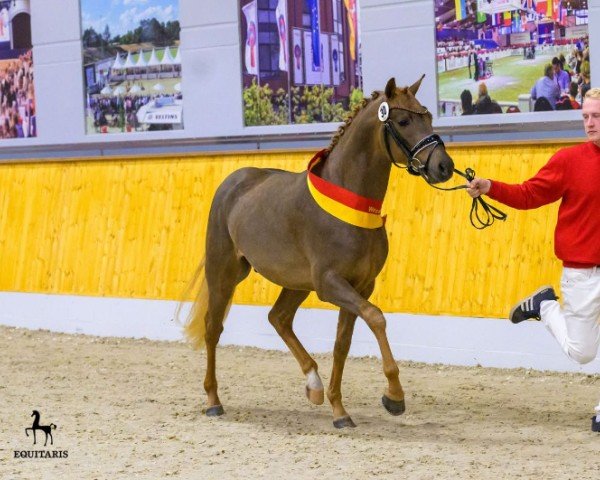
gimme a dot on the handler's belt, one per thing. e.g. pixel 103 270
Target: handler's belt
pixel 343 204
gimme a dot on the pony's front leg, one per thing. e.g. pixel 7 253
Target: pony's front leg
pixel 345 327
pixel 335 289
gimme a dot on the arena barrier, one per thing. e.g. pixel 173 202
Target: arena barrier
pixel 134 229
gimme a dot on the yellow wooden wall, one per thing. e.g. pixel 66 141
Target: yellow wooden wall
pixel 135 228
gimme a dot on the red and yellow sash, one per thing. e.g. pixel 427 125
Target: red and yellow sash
pixel 342 203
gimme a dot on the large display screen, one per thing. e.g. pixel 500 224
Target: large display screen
pixel 132 65
pixel 511 56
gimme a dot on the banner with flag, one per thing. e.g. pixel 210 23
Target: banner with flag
pixel 550 8
pixel 541 7
pixel 311 76
pixel 326 59
pixel 298 56
pixel 251 47
pixel 460 7
pixel 282 30
pixel 507 17
pixel 351 13
pixel 335 58
pixel 315 31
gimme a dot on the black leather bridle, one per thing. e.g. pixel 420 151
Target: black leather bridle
pixel 416 167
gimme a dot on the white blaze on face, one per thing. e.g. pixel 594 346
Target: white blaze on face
pixel 313 381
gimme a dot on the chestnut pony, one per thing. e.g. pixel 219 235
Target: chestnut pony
pixel 317 231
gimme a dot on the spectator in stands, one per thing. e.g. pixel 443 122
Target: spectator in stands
pixel 585 83
pixel 565 65
pixel 485 104
pixel 573 91
pixel 561 77
pixel 466 101
pixel 543 105
pixel 578 61
pixel 546 87
pixel 476 64
pixel 469 61
pixel 572 60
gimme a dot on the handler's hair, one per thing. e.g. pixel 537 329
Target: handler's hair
pixel 593 93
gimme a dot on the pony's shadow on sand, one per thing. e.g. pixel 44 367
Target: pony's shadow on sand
pixel 377 425
pixel 443 426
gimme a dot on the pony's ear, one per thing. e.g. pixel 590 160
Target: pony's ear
pixel 390 88
pixel 414 88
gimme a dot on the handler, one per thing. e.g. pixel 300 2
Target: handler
pixel 573 176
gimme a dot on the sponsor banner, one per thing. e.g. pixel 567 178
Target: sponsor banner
pixel 251 50
pixel 298 58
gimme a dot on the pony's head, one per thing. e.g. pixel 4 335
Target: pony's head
pixel 408 134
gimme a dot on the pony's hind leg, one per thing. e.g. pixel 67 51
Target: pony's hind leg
pixel 281 317
pixel 223 273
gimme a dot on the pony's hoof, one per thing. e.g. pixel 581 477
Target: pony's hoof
pixel 344 422
pixel 315 396
pixel 393 406
pixel 215 411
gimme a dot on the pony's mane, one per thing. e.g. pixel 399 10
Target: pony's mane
pixel 342 128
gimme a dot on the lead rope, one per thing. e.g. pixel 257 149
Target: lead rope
pixel 478 220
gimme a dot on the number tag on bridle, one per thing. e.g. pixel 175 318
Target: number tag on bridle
pixel 384 111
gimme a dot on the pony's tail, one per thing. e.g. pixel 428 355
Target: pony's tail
pixel 194 326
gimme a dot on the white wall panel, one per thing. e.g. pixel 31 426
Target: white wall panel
pixel 397 40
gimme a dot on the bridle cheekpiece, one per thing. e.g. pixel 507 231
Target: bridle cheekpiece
pixel 414 165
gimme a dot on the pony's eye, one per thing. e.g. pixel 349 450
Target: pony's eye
pixel 404 123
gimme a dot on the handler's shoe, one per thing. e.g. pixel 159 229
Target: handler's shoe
pixel 529 307
pixel 596 420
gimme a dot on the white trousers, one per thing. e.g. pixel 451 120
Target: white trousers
pixel 576 326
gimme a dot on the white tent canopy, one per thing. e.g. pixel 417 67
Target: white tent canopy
pixel 129 63
pixel 141 61
pixel 153 61
pixel 118 63
pixel 167 58
pixel 177 59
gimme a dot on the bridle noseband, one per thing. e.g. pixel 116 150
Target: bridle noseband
pixel 414 165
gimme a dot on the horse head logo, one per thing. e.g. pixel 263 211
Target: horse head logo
pixel 47 429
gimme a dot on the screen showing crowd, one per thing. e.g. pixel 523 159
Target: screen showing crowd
pixel 510 56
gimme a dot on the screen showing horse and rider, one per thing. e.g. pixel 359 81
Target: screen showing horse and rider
pixel 510 56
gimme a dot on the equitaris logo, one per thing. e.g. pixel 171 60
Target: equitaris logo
pixel 37 430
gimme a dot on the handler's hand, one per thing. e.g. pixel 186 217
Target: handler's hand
pixel 478 186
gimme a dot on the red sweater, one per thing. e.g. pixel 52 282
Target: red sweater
pixel 573 175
